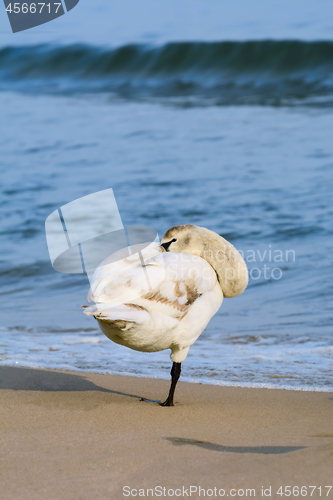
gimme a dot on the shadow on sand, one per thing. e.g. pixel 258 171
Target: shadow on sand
pixel 268 450
pixel 31 379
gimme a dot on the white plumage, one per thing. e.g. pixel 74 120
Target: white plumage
pixel 151 301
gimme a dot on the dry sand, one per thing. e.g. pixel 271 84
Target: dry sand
pixel 85 436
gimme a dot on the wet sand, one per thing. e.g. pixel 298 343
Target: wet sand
pixel 75 435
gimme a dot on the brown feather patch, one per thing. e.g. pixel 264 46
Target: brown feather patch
pixel 136 306
pixel 191 291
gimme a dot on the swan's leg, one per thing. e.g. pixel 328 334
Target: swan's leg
pixel 175 374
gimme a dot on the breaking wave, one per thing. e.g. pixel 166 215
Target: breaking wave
pixel 218 73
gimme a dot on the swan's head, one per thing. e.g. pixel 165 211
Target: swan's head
pixel 227 262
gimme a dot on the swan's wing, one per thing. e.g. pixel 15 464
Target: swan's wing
pixel 124 314
pixel 176 282
pixel 187 277
pixel 128 278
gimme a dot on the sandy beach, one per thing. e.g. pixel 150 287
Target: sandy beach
pixel 83 435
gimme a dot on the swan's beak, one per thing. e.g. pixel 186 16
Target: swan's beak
pixel 165 246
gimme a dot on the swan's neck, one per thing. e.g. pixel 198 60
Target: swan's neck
pixel 229 265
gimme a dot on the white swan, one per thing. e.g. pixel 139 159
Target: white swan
pixel 187 283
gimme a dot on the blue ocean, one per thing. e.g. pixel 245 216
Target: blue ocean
pixel 202 112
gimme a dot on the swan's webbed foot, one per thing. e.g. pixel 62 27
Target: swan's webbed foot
pixel 167 402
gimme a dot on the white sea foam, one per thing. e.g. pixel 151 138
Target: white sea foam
pixel 306 366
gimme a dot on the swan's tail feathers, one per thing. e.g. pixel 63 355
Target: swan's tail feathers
pixel 118 314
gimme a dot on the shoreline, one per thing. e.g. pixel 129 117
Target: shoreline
pixel 183 379
pixel 86 435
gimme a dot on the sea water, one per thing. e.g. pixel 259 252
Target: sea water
pixel 195 112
